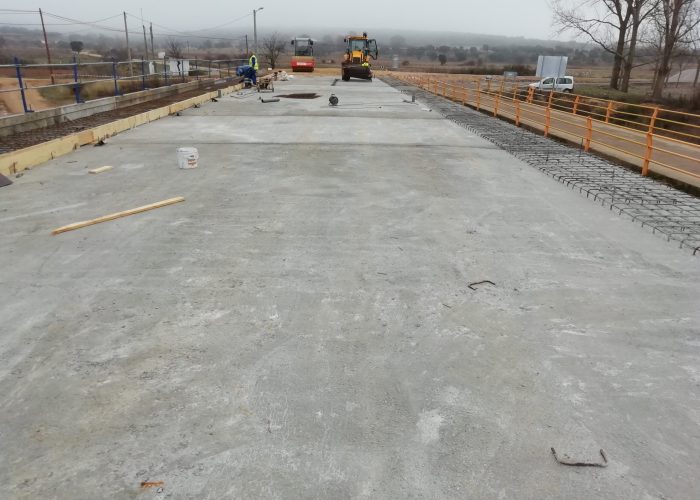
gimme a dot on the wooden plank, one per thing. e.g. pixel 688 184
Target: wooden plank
pixel 100 169
pixel 125 213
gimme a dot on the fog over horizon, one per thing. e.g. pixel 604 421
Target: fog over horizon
pixel 512 18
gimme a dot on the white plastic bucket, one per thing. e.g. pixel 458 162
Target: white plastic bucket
pixel 187 157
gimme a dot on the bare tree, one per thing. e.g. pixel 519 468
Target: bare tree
pixel 272 47
pixel 604 22
pixel 695 42
pixel 675 23
pixel 174 49
pixel 614 25
pixel 642 10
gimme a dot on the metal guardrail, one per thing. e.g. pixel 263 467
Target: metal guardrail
pixel 84 81
pixel 648 136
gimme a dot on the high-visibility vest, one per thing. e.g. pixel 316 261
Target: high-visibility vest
pixel 253 62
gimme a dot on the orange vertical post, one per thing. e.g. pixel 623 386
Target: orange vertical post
pixel 647 153
pixel 576 101
pixel 650 143
pixel 589 134
pixel 548 114
pixel 497 100
pixel 517 113
pixel 652 120
pixel 478 96
pixel 608 111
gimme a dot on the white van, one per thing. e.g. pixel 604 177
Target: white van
pixel 561 84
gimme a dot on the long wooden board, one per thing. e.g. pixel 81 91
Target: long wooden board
pixel 125 213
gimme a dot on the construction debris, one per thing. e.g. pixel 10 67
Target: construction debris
pixel 152 484
pixel 105 218
pixel 333 100
pixel 4 181
pixel 307 95
pixel 472 285
pixel 100 169
pixel 565 459
pixel 274 99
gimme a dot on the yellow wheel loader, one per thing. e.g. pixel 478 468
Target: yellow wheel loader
pixel 358 51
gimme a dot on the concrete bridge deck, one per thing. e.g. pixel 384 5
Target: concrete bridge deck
pixel 303 326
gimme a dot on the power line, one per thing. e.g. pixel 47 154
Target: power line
pixel 191 33
pixel 95 25
pixel 17 11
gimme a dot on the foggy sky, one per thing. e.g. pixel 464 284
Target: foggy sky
pixel 528 18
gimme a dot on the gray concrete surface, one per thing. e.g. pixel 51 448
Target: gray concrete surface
pixel 302 326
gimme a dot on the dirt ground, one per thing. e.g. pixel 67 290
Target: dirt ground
pixel 11 98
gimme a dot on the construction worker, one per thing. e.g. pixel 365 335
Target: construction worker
pixel 247 72
pixel 253 62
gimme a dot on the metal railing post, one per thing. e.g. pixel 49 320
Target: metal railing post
pixel 547 120
pixel 76 85
pixel 652 120
pixel 517 113
pixel 18 69
pixel 143 74
pixel 114 77
pixel 608 112
pixel 165 70
pixel 196 69
pixel 650 142
pixel 647 153
pixel 589 133
pixel 478 95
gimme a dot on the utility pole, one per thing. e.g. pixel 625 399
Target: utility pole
pixel 48 50
pixel 255 29
pixel 153 50
pixel 128 49
pixel 145 43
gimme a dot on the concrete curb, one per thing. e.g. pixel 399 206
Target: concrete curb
pixel 17 161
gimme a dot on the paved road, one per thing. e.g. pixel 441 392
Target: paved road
pixel 303 326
